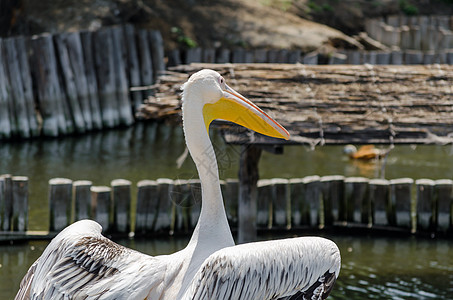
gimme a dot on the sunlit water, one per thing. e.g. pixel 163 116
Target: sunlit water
pixel 373 267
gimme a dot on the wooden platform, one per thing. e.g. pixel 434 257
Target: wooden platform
pixel 331 104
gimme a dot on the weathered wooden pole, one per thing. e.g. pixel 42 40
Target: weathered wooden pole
pixel 379 192
pixel 358 206
pixel 20 203
pixel 401 198
pixel 133 66
pixel 164 205
pixel 333 198
pixel 5 118
pixel 147 194
pixel 248 178
pixel 426 207
pixel 121 194
pixel 6 200
pixel 230 198
pixel 192 55
pixel 60 197
pixel 101 205
pixel 281 203
pixel 145 61
pixel 195 206
pixel 180 209
pixel 298 207
pixel 82 199
pixel 444 199
pixel 312 200
pixel 264 204
pixel 157 52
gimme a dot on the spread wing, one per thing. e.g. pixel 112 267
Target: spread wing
pixel 81 263
pixel 299 268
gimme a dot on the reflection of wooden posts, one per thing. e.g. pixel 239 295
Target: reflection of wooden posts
pixel 6 201
pixel 60 198
pixel 5 123
pixel 401 197
pixel 380 201
pixel 82 199
pixel 121 194
pixel 444 204
pixel 333 198
pixel 426 207
pixel 101 205
pixel 248 178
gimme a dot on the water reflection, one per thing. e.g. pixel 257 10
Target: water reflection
pixel 372 267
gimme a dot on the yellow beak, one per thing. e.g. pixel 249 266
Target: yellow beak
pixel 236 108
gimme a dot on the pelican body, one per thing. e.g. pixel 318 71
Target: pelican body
pixel 80 263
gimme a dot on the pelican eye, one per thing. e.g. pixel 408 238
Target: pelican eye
pixel 222 82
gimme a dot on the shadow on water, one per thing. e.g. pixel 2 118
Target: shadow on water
pixel 372 267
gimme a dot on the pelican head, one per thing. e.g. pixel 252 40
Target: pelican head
pixel 208 91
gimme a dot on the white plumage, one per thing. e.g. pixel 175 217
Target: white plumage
pixel 80 263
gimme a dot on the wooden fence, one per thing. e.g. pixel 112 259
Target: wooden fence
pixel 173 206
pixel 74 82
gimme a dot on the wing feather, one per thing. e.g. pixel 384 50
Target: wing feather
pixel 81 263
pixel 299 268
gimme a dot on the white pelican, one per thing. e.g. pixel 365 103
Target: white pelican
pixel 80 263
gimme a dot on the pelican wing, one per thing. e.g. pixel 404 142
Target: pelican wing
pixel 298 268
pixel 80 263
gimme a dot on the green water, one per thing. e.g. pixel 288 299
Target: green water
pixel 373 267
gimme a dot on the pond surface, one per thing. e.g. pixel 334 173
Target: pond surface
pixel 372 267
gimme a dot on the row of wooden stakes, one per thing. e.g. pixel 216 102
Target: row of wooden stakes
pixel 173 206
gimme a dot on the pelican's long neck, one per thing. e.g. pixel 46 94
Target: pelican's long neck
pixel 212 224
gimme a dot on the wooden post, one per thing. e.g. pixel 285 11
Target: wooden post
pixel 101 205
pixel 164 209
pixel 174 58
pixel 20 203
pixel 231 199
pixel 312 200
pixel 333 198
pixel 264 204
pixel 208 55
pixel 248 179
pixel 401 199
pixel 157 52
pixel 82 199
pixel 413 57
pixel 68 76
pixel 86 38
pixel 145 61
pixel 181 200
pixel 122 87
pixel 50 94
pixel 416 37
pixel 5 122
pixel 73 43
pixel 121 205
pixel 383 58
pixel 357 201
pixel 7 201
pixel 238 56
pixel 222 56
pixel 105 73
pixel 426 207
pixel 18 107
pixel 133 66
pixel 281 203
pixel 379 192
pixel 294 56
pixel 60 198
pixel 193 55
pixel 296 189
pixel 444 200
pixel 146 205
pixel 260 56
pixel 396 58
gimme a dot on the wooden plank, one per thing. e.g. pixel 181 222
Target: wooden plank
pixel 379 194
pixel 68 77
pixel 426 207
pixel 7 201
pixel 60 198
pixel 50 94
pixel 20 203
pixel 101 205
pixel 82 199
pixel 18 109
pixel 333 198
pixel 444 199
pixel 122 86
pixel 5 122
pixel 105 74
pixel 146 205
pixel 133 66
pixel 145 61
pixel 358 206
pixel 92 87
pixel 401 199
pixel 121 194
pixel 248 179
